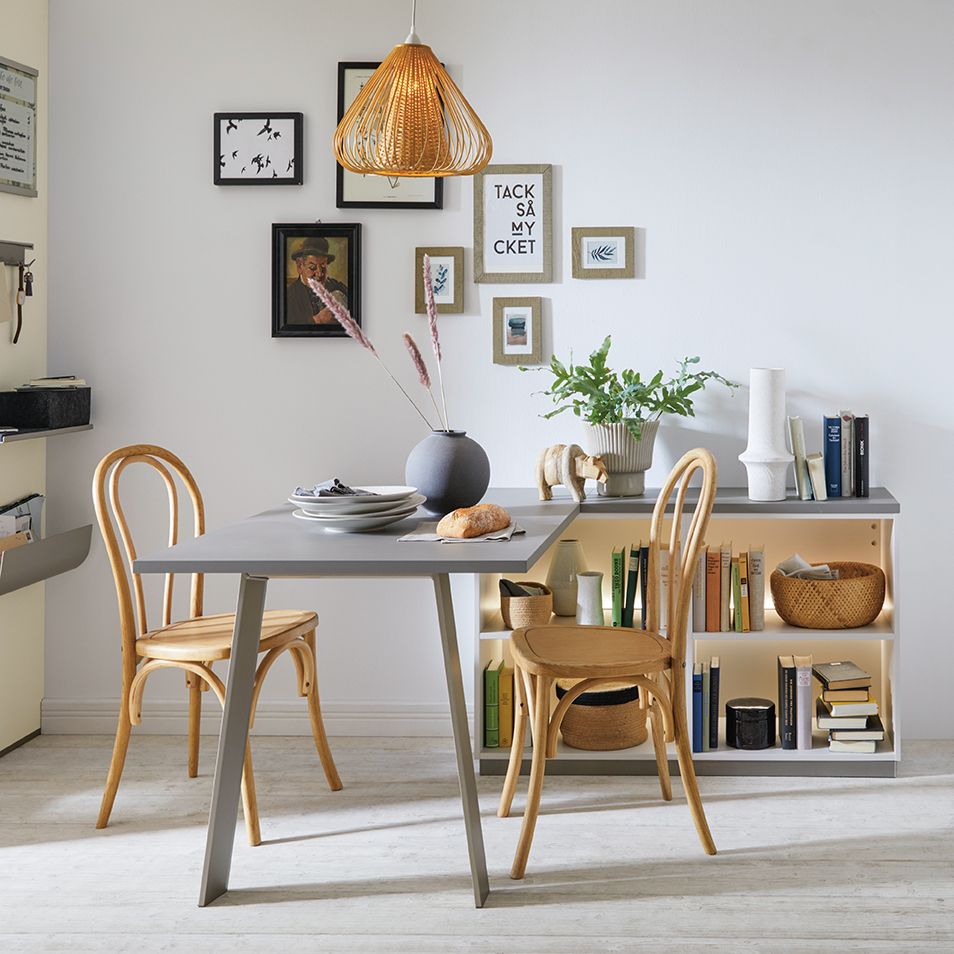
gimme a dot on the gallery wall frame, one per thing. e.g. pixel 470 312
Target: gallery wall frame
pixel 252 149
pixel 18 129
pixel 447 278
pixel 607 251
pixel 518 330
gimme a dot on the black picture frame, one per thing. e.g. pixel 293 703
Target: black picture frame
pixel 223 157
pixel 434 201
pixel 289 304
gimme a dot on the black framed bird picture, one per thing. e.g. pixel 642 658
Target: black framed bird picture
pixel 257 149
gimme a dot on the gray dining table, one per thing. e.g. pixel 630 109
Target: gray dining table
pixel 274 544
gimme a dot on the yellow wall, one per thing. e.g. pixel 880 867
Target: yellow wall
pixel 23 38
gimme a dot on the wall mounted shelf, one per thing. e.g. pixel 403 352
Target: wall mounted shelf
pixel 45 432
pixel 43 559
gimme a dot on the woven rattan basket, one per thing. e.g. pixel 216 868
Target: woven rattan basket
pixel 521 611
pixel 854 599
pixel 604 719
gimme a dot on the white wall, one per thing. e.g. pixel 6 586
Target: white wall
pixel 790 163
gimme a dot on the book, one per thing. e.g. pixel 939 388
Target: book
pixel 757 588
pixel 699 593
pixel 643 580
pixel 826 720
pixel 706 689
pixel 619 557
pixel 796 434
pixel 786 701
pixel 713 602
pixel 845 695
pixel 847 453
pixel 492 704
pixel 697 707
pixel 61 381
pixel 714 673
pixel 725 587
pixel 862 451
pixel 816 472
pixel 505 705
pixel 831 431
pixel 744 591
pixel 841 709
pixel 843 674
pixel 632 575
pixel 862 747
pixel 664 588
pixel 803 702
pixel 736 596
pixel 873 731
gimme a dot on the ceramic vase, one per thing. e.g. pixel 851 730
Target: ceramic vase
pixel 589 598
pixel 450 469
pixel 766 457
pixel 566 563
pixel 625 458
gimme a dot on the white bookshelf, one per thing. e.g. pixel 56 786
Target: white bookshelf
pixel 863 529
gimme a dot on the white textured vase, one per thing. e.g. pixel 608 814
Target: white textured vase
pixel 766 457
pixel 589 599
pixel 625 458
pixel 567 562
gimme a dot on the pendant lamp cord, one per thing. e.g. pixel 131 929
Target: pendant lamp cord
pixel 412 37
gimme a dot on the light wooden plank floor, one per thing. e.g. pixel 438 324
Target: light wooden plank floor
pixel 381 865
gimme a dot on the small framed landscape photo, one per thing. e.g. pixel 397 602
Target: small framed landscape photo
pixel 604 252
pixel 257 149
pixel 327 254
pixel 447 279
pixel 517 331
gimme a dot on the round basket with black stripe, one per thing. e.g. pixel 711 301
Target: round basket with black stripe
pixel 606 718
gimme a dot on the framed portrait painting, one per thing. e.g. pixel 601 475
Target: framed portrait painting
pixel 517 327
pixel 327 254
pixel 257 149
pixel 356 191
pixel 604 252
pixel 447 279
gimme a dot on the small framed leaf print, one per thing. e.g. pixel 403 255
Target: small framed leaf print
pixel 447 279
pixel 257 149
pixel 604 252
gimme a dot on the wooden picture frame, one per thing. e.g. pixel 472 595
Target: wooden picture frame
pixel 241 157
pixel 354 191
pixel 607 251
pixel 18 103
pixel 448 286
pixel 329 253
pixel 513 224
pixel 518 328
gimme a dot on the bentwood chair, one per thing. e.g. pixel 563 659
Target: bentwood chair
pixel 649 659
pixel 192 644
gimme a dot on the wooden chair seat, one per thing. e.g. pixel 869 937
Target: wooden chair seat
pixel 210 637
pixel 586 652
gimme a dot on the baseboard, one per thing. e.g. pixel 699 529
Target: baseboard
pixel 285 717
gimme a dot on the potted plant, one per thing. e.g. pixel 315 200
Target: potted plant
pixel 621 410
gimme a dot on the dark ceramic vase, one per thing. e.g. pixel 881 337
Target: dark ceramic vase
pixel 450 469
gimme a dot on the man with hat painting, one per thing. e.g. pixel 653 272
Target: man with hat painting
pixel 302 305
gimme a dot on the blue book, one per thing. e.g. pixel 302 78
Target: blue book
pixel 832 453
pixel 697 707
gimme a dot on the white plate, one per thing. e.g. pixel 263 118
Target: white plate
pixel 382 495
pixel 399 511
pixel 376 507
pixel 354 524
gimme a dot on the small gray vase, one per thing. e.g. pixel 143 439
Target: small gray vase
pixel 450 469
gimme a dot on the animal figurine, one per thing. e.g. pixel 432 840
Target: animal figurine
pixel 567 464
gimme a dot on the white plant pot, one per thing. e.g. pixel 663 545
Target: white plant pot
pixel 589 599
pixel 766 457
pixel 567 562
pixel 625 458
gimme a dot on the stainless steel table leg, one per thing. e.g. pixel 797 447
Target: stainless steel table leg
pixel 232 739
pixel 465 758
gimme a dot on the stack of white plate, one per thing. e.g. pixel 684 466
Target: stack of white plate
pixel 355 514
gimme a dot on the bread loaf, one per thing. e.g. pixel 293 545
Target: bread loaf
pixel 474 521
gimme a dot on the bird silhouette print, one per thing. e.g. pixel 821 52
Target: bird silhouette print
pixel 267 128
pixel 259 162
pixel 232 125
pixel 235 153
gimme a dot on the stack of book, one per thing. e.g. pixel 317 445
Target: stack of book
pixel 728 592
pixel 498 705
pixel 795 701
pixel 840 469
pixel 847 709
pixel 705 705
pixel 60 381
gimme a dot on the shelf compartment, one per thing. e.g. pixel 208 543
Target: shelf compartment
pixel 28 435
pixel 775 628
pixel 42 559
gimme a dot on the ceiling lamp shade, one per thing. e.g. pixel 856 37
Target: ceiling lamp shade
pixel 410 119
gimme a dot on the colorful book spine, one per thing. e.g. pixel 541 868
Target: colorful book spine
pixel 505 711
pixel 736 596
pixel 714 674
pixel 725 588
pixel 706 690
pixel 699 593
pixel 632 575
pixel 697 707
pixel 862 453
pixel 803 702
pixel 816 471
pixel 847 453
pixel 786 701
pixel 832 455
pixel 618 557
pixel 713 578
pixel 796 431
pixel 492 704
pixel 643 580
pixel 757 588
pixel 744 591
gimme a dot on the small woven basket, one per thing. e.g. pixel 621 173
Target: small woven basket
pixel 521 611
pixel 854 599
pixel 605 718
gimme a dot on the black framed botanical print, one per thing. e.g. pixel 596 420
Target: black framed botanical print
pixel 306 253
pixel 257 149
pixel 356 191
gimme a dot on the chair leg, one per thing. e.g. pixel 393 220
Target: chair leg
pixel 249 800
pixel 317 723
pixel 195 717
pixel 688 773
pixel 659 746
pixel 538 764
pixel 120 745
pixel 516 749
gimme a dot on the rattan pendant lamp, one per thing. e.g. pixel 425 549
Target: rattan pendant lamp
pixel 410 119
